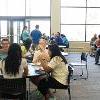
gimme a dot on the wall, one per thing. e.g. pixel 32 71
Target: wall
pixel 79 46
pixel 55 16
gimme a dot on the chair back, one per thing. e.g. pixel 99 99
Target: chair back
pixel 13 86
pixel 83 57
pixel 70 74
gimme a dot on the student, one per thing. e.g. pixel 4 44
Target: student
pixel 14 66
pixel 65 40
pixel 58 69
pixel 97 50
pixel 93 45
pixel 36 35
pixel 58 39
pixel 26 47
pixel 25 34
pixel 41 49
pixel 4 45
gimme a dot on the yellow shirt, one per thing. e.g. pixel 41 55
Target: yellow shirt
pixel 60 70
pixel 24 51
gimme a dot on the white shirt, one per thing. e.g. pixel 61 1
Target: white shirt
pixel 10 76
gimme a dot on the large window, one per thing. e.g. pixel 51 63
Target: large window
pixel 17 12
pixel 80 19
pixel 3 28
pixel 44 25
pixel 37 7
pixel 24 7
pixel 16 8
pixel 73 32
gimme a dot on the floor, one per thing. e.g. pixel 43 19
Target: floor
pixel 80 89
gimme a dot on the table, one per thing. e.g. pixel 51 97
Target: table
pixel 33 70
pixel 62 46
pixel 64 53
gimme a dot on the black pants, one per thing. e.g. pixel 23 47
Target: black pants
pixel 45 84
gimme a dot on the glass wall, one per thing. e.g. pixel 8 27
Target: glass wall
pixel 80 19
pixel 37 7
pixel 44 26
pixel 15 13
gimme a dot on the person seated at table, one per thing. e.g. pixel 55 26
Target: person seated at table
pixel 26 48
pixel 58 69
pixel 14 66
pixel 97 50
pixel 93 45
pixel 65 41
pixel 4 45
pixel 41 49
pixel 58 39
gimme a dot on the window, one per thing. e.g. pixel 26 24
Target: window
pixel 93 3
pixel 37 7
pixel 3 28
pixel 44 26
pixel 80 19
pixel 3 7
pixel 73 3
pixel 91 30
pixel 74 32
pixel 16 8
pixel 72 16
pixel 93 16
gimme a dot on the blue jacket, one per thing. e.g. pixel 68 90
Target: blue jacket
pixel 36 35
pixel 59 40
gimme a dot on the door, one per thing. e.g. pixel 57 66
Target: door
pixel 11 29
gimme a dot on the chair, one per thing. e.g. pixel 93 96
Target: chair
pixel 13 88
pixel 82 63
pixel 67 86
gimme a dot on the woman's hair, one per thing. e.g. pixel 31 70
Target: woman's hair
pixel 27 44
pixel 13 60
pixel 55 51
pixel 25 27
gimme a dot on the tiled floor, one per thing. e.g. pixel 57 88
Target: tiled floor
pixel 81 89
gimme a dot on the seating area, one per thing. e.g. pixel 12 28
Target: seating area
pixel 80 89
pixel 49 50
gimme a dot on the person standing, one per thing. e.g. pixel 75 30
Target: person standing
pixel 25 34
pixel 36 35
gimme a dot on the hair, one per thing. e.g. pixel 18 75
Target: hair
pixel 13 60
pixel 99 36
pixel 58 33
pixel 25 27
pixel 27 44
pixel 55 51
pixel 37 26
pixel 62 35
pixel 5 39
